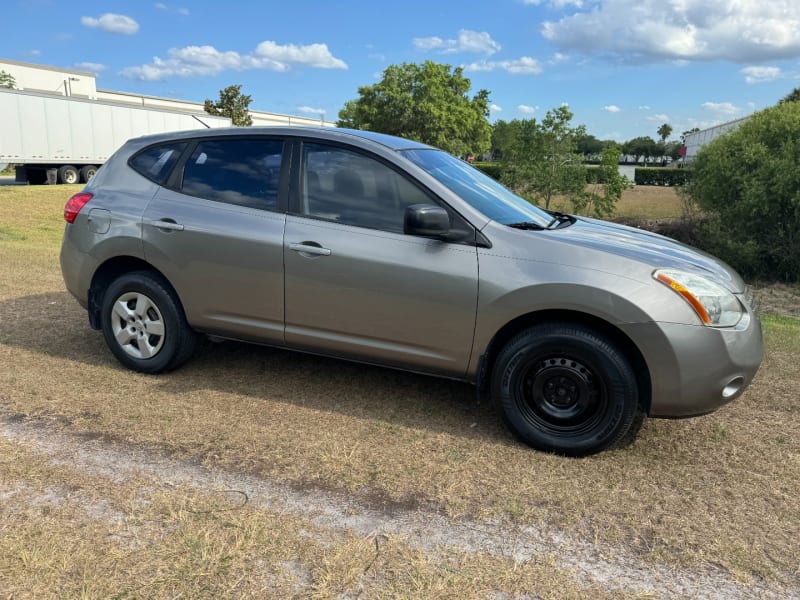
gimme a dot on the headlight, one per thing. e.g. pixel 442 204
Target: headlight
pixel 715 305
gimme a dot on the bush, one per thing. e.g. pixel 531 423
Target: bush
pixel 492 169
pixel 748 183
pixel 661 176
pixel 597 174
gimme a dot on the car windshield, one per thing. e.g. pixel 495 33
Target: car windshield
pixel 478 189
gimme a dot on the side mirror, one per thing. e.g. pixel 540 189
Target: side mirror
pixel 426 220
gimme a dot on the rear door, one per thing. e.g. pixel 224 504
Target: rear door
pixel 356 285
pixel 216 232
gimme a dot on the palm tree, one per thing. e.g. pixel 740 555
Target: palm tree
pixel 664 131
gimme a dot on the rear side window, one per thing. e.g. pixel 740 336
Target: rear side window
pixel 156 162
pixel 245 172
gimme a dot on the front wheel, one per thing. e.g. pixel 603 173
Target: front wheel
pixel 144 325
pixel 567 389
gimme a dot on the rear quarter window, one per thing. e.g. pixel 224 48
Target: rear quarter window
pixel 156 162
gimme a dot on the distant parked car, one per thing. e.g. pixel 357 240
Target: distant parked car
pixel 382 250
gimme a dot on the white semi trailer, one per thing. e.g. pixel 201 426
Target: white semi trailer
pixel 72 137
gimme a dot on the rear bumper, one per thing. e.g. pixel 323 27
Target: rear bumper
pixel 73 269
pixel 696 369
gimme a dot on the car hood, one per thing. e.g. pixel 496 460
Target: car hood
pixel 648 248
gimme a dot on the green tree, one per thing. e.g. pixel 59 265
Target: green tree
pixel 602 195
pixel 542 161
pixel 427 102
pixel 502 136
pixel 589 146
pixel 793 96
pixel 7 80
pixel 672 149
pixel 748 181
pixel 232 104
pixel 640 147
pixel 664 132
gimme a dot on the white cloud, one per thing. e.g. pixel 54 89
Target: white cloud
pixel 722 108
pixel 760 74
pixel 309 110
pixel 112 23
pixel 644 107
pixel 558 57
pixel 612 108
pixel 495 108
pixel 181 11
pixel 468 41
pixel 312 55
pixel 518 66
pixel 659 117
pixel 33 52
pixel 92 67
pixel 207 60
pixel 528 110
pixel 736 30
pixel 557 4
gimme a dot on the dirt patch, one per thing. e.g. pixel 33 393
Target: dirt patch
pixel 614 568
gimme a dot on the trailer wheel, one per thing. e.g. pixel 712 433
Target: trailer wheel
pixel 68 174
pixel 87 173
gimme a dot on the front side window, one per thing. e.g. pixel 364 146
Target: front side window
pixel 354 189
pixel 156 162
pixel 245 172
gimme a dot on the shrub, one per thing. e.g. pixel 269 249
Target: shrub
pixel 492 169
pixel 661 176
pixel 748 182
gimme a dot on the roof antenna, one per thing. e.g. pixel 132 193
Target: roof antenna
pixel 207 126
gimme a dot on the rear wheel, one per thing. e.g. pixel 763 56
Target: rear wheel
pixel 68 174
pixel 87 172
pixel 144 325
pixel 567 389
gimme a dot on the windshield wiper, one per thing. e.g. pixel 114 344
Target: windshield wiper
pixel 559 217
pixel 525 225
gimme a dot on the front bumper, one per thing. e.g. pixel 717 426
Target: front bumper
pixel 695 369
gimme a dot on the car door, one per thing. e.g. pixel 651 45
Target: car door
pixel 216 232
pixel 356 285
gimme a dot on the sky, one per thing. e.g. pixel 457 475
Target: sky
pixel 624 67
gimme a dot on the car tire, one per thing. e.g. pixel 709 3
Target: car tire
pixel 567 389
pixel 144 325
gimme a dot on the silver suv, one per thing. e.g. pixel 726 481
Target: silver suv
pixel 378 249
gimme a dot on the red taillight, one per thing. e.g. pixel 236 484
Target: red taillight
pixel 74 205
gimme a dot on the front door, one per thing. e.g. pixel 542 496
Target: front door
pixel 357 286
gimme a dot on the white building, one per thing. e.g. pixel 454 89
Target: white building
pixel 694 141
pixel 67 82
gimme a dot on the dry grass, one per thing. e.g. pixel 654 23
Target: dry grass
pixel 718 490
pixel 66 532
pixel 640 203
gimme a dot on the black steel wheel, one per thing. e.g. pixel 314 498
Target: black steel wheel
pixel 566 389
